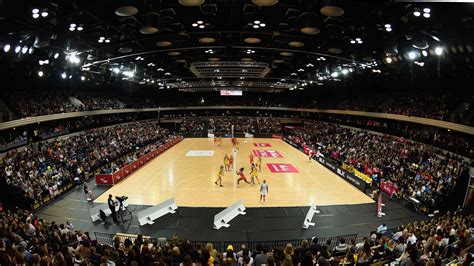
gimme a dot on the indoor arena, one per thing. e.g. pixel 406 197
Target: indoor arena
pixel 236 132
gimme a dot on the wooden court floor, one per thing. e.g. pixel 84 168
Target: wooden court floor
pixel 190 180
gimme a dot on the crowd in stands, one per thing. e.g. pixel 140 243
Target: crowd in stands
pixel 27 104
pixel 450 107
pixel 15 137
pixel 422 105
pixel 223 125
pixel 448 140
pixel 417 171
pixel 100 102
pixel 34 171
pixel 27 240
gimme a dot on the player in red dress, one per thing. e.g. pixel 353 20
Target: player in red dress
pixel 231 162
pixel 242 176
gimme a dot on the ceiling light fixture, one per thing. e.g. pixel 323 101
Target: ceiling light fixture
pixel 6 48
pixel 438 51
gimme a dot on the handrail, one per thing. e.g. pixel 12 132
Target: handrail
pixel 413 119
pixel 108 239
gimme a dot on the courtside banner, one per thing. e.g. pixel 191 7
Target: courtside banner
pixel 103 179
pixel 351 178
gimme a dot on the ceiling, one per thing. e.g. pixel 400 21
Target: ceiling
pixel 263 45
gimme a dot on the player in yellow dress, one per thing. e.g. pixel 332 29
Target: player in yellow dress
pixel 220 175
pixel 254 174
pixel 258 164
pixel 226 163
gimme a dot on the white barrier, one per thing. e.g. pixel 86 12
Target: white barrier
pixel 224 217
pixel 309 216
pixel 248 135
pixel 147 216
pixel 95 212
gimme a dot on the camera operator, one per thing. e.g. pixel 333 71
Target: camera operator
pixel 111 203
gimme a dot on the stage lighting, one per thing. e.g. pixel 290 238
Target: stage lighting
pixel 426 10
pixel 40 73
pixel 345 71
pixel 44 14
pixel 36 15
pixel 426 15
pixel 116 70
pixel 83 78
pixel 438 51
pixel 388 60
pixel 56 55
pixel 416 13
pixel 6 48
pixel 424 53
pixel 17 49
pixel 335 74
pixel 412 55
pixel 24 49
pixel 74 59
pixel 64 75
pixel 35 11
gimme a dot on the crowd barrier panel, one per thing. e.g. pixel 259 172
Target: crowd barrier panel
pixel 221 246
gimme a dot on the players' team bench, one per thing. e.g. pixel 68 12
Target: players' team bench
pixel 115 178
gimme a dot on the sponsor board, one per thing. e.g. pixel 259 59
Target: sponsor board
pixel 328 163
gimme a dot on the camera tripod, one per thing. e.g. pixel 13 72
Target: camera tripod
pixel 124 213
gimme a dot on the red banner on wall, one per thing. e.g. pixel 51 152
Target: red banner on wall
pixel 127 169
pixel 111 179
pixel 388 187
pixel 118 176
pixel 103 179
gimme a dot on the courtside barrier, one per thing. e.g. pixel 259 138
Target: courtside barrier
pixel 148 215
pixel 331 165
pixel 309 216
pixel 223 218
pixel 118 176
pixel 108 239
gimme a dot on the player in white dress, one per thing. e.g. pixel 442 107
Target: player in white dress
pixel 263 190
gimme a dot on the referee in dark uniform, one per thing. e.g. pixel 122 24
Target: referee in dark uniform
pixel 111 203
